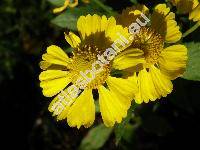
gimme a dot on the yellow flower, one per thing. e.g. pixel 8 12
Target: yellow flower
pixel 195 14
pixel 68 3
pixel 60 71
pixel 188 6
pixel 132 12
pixel 160 61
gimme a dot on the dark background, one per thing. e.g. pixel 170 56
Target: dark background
pixel 25 32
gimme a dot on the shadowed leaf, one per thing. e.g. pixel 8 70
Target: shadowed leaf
pixel 96 138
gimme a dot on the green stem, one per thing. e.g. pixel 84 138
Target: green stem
pixel 191 29
pixel 104 7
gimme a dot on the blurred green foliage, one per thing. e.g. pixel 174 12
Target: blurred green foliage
pixel 193 67
pixel 96 138
pixel 68 18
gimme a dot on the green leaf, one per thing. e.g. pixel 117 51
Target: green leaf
pixel 193 66
pixel 107 10
pixel 97 107
pixel 57 3
pixel 68 49
pixel 134 1
pixel 121 128
pixel 129 132
pixel 96 138
pixel 66 20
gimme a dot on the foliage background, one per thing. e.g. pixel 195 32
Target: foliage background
pixel 26 29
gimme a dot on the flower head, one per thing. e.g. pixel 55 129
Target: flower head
pixel 60 71
pixel 188 6
pixel 195 14
pixel 155 60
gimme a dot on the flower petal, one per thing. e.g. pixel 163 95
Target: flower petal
pixel 53 81
pixel 128 58
pixel 158 17
pixel 111 107
pixel 101 31
pixel 152 85
pixel 173 32
pixel 55 55
pixel 130 14
pixel 172 61
pixel 116 33
pixel 184 6
pixel 44 65
pixel 60 9
pixel 88 25
pixel 163 21
pixel 195 14
pixel 60 105
pixel 74 4
pixel 82 112
pixel 72 39
pixel 124 89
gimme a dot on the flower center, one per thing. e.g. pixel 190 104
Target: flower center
pixel 85 61
pixel 150 42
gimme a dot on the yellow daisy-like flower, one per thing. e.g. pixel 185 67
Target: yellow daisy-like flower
pixel 160 62
pixel 188 6
pixel 133 12
pixel 68 3
pixel 195 14
pixel 60 71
